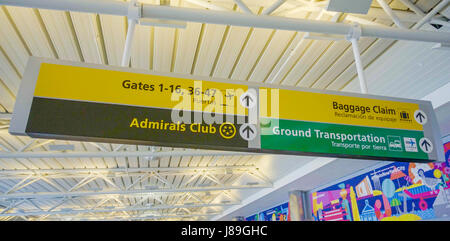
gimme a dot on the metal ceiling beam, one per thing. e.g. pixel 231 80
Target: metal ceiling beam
pixel 292 52
pixel 273 7
pixel 133 17
pixel 391 14
pixel 117 172
pixel 135 217
pixel 404 16
pixel 421 14
pixel 232 18
pixel 354 38
pixel 431 14
pixel 243 7
pixel 279 184
pixel 101 154
pixel 13 175
pixel 302 25
pixel 50 195
pixel 66 211
pixel 142 198
pixel 119 8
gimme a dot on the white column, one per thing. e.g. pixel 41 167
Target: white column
pixel 297 205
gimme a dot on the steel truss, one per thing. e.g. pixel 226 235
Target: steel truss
pixel 63 201
pixel 138 217
pixel 139 11
pixel 133 200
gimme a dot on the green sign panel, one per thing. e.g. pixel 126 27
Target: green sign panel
pixel 290 135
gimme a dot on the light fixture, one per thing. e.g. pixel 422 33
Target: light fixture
pixel 321 36
pixel 151 187
pixel 441 46
pixel 162 23
pixel 349 6
pixel 55 147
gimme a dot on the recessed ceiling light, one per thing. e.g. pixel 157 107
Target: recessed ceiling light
pixel 349 6
pixel 61 147
pixel 151 187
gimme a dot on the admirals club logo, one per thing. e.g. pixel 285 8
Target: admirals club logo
pixel 410 144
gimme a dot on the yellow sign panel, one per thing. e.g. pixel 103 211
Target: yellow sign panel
pixel 339 109
pixel 109 86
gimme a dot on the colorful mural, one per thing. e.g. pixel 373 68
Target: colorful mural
pixel 277 213
pixel 397 191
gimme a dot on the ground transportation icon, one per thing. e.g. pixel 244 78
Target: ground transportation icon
pixel 395 144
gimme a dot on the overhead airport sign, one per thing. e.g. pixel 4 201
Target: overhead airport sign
pixel 78 101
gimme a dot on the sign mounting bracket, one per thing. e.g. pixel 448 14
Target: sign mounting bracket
pixel 354 36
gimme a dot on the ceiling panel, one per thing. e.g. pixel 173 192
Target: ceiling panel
pixel 114 32
pixel 324 62
pixel 186 47
pixel 310 56
pixel 59 27
pixel 252 50
pixel 231 49
pixel 140 48
pixel 28 23
pixel 8 75
pixel 88 37
pixel 210 43
pixel 268 59
pixel 290 56
pixel 163 49
pixel 11 43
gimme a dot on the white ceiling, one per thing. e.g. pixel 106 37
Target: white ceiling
pixel 395 68
pixel 407 70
